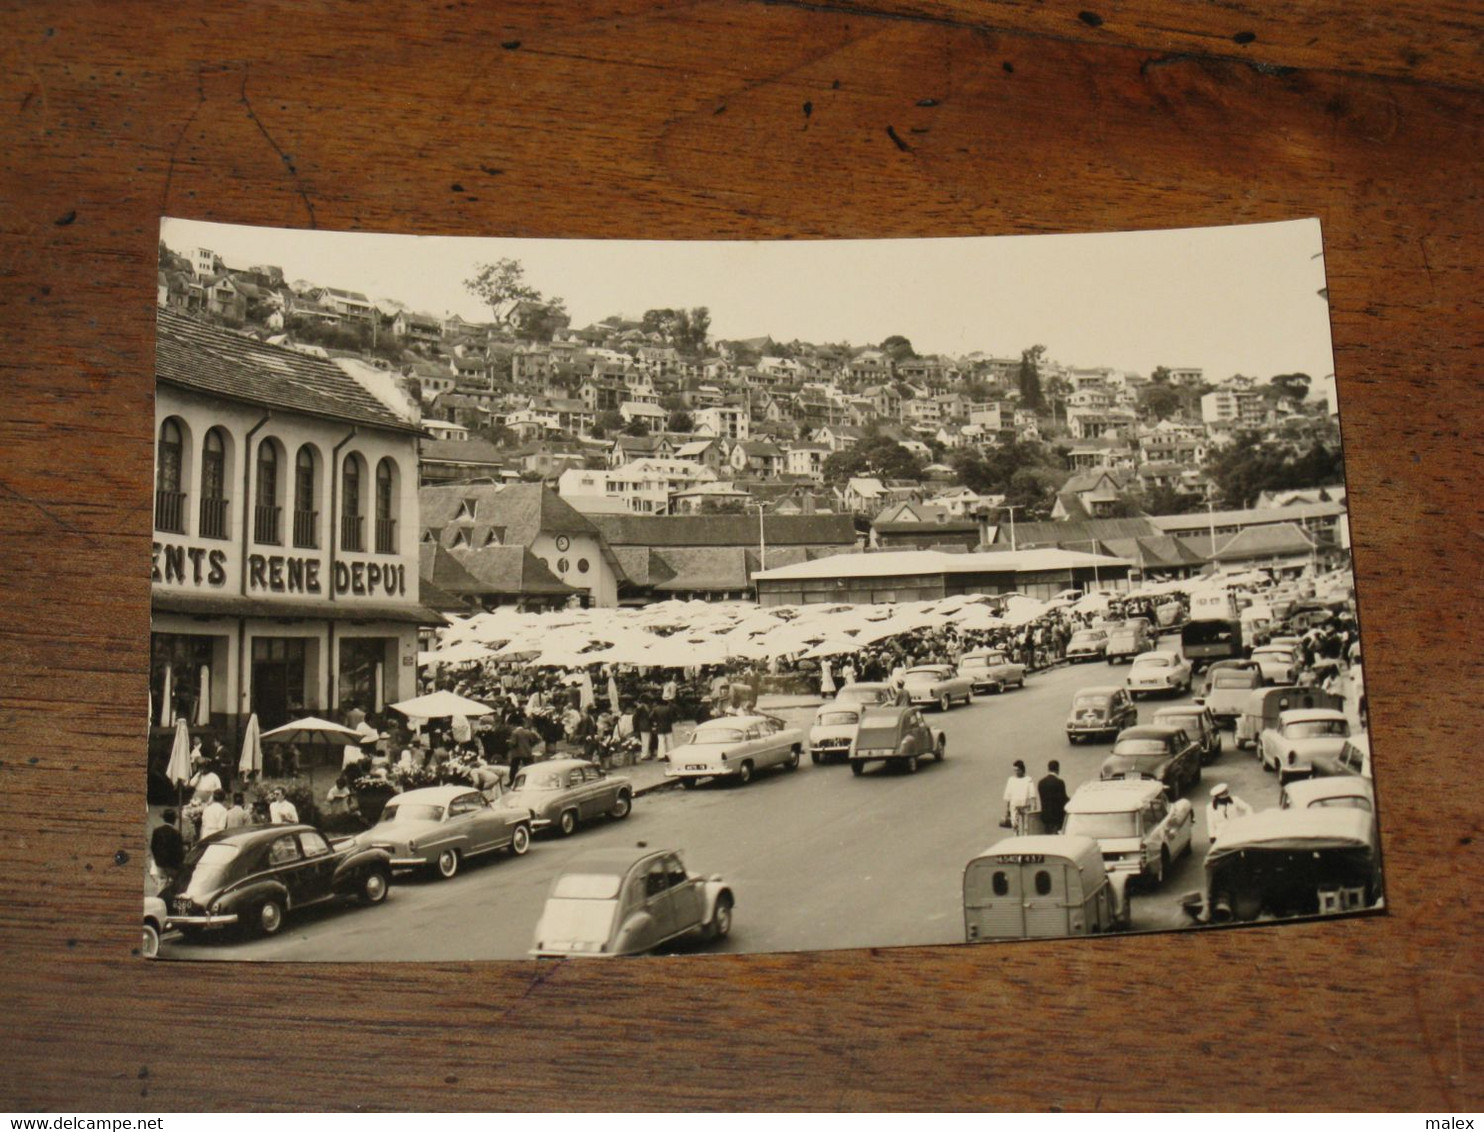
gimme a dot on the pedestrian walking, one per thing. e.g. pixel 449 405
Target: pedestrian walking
pixel 166 849
pixel 1021 801
pixel 664 727
pixel 1052 792
pixel 644 728
pixel 1223 807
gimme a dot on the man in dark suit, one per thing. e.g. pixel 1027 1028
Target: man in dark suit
pixel 1053 793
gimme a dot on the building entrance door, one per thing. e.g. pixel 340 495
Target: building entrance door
pixel 278 689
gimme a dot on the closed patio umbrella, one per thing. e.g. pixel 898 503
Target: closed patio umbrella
pixel 179 769
pixel 251 761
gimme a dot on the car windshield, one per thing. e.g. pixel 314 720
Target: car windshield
pixel 210 869
pixel 854 695
pixel 537 780
pixel 1283 656
pixel 713 736
pixel 1090 703
pixel 1122 824
pixel 1088 637
pixel 837 718
pixel 1154 660
pixel 1191 719
pixel 974 662
pixel 587 886
pixel 1347 802
pixel 924 673
pixel 1231 679
pixel 1133 748
pixel 411 811
pixel 1315 728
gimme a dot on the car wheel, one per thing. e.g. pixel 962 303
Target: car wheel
pixel 374 886
pixel 857 767
pixel 793 760
pixel 744 773
pixel 968 697
pixel 1072 739
pixel 941 749
pixel 1164 865
pixel 268 918
pixel 149 945
pixel 721 919
pixel 567 823
pixel 814 757
pixel 621 805
pixel 520 840
pixel 944 703
pixel 687 784
pixel 447 863
pixel 911 764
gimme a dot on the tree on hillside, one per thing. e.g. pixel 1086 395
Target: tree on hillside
pixel 873 456
pixel 1160 401
pixel 681 421
pixel 1249 466
pixel 1030 378
pixel 1292 386
pixel 1168 501
pixel 514 303
pixel 898 348
pixel 993 471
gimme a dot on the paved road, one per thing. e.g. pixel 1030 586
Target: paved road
pixel 818 858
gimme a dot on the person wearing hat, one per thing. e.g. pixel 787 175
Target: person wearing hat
pixel 1223 807
pixel 1021 800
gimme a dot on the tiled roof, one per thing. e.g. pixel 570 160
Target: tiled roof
pixel 1074 534
pixel 1261 542
pixel 724 530
pixel 1200 520
pixel 715 568
pixel 1161 552
pixel 195 355
pixel 472 451
pixel 521 510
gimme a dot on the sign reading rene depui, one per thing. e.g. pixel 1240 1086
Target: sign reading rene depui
pixel 599 598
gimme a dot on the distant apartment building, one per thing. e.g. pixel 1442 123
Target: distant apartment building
pixel 1228 408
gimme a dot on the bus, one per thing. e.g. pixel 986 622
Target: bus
pixel 1212 639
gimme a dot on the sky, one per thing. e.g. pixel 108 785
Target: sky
pixel 1241 299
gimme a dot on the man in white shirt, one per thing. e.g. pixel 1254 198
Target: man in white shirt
pixel 1223 807
pixel 205 783
pixel 214 816
pixel 1021 800
pixel 281 811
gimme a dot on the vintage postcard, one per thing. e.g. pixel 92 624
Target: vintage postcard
pixel 581 599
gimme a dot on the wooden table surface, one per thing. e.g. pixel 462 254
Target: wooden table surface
pixel 636 118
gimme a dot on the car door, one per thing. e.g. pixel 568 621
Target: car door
pixel 657 901
pixel 284 864
pixel 461 825
pixel 486 826
pixel 316 872
pixel 687 901
pixel 1126 714
pixel 1158 829
pixel 593 793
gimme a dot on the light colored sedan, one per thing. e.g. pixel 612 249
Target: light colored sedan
pixel 439 827
pixel 1162 672
pixel 1300 737
pixel 992 671
pixel 1279 665
pixel 564 793
pixel 736 747
pixel 939 684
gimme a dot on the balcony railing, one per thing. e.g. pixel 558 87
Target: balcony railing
pixel 352 532
pixel 170 511
pixel 265 523
pixel 213 518
pixel 386 536
pixel 306 529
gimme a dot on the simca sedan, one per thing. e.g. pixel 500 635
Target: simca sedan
pixel 1165 754
pixel 156 922
pixel 992 671
pixel 1158 672
pixel 870 694
pixel 1100 712
pixel 1302 735
pixel 1196 722
pixel 896 736
pixel 1038 887
pixel 1265 705
pixel 1127 641
pixel 833 731
pixel 1140 832
pixel 626 902
pixel 1345 791
pixel 939 684
pixel 735 747
pixel 566 792
pixel 250 878
pixel 1278 664
pixel 1087 644
pixel 440 827
pixel 1227 690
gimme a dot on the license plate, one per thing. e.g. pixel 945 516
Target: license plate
pixel 694 766
pixel 182 905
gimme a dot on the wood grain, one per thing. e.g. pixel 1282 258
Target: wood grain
pixel 634 118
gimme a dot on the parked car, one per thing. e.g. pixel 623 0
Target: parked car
pixel 252 877
pixel 868 694
pixel 833 731
pixel 1127 641
pixel 1197 723
pixel 939 684
pixel 896 736
pixel 1354 758
pixel 1139 831
pixel 1345 791
pixel 1158 672
pixel 1301 735
pixel 1278 665
pixel 1039 887
pixel 1227 690
pixel 156 924
pixel 1265 705
pixel 992 671
pixel 1087 644
pixel 1100 712
pixel 1165 754
pixel 736 747
pixel 1291 862
pixel 438 828
pixel 1205 640
pixel 564 793
pixel 626 902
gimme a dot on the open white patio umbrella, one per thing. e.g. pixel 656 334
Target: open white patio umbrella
pixel 438 705
pixel 251 761
pixel 310 728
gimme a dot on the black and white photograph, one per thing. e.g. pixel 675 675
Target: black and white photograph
pixel 521 598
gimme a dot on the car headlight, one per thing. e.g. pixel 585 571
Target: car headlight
pixel 412 847
pixel 216 906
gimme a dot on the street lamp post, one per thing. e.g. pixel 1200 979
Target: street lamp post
pixel 1012 510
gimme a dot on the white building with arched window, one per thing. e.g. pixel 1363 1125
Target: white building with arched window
pixel 284 571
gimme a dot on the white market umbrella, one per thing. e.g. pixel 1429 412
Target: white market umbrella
pixel 251 761
pixel 437 705
pixel 612 693
pixel 167 716
pixel 179 771
pixel 310 728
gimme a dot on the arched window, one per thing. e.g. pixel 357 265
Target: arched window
pixel 352 522
pixel 386 507
pixel 267 511
pixel 170 493
pixel 306 511
pixel 214 485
